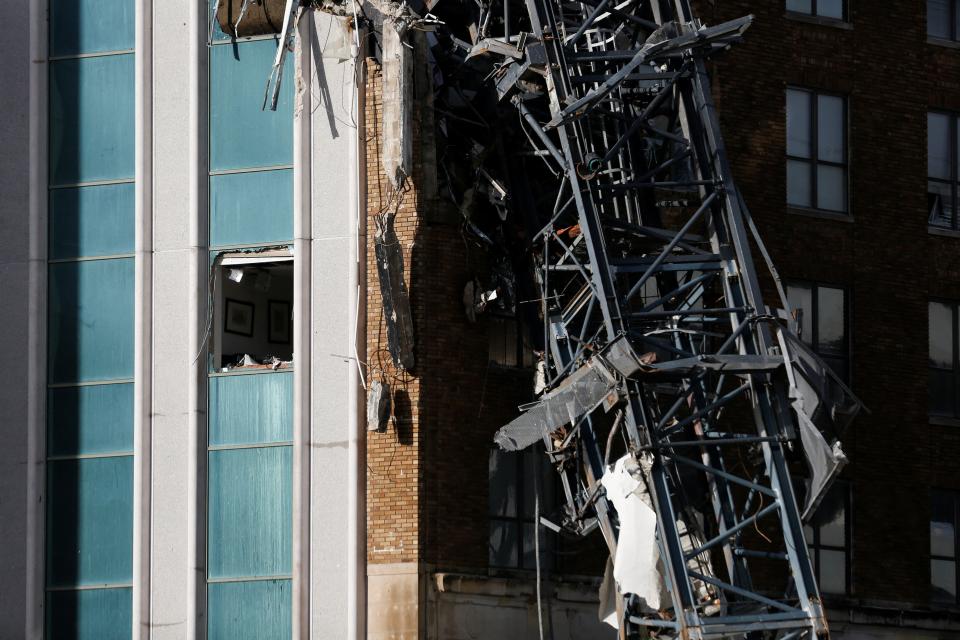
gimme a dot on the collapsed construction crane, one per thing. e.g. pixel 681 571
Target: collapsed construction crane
pixel 673 401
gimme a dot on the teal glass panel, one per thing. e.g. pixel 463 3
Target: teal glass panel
pixel 251 208
pixel 91 119
pixel 255 610
pixel 251 409
pixel 90 419
pixel 90 521
pixel 249 526
pixel 92 221
pixel 91 320
pixel 90 614
pixel 242 134
pixel 90 26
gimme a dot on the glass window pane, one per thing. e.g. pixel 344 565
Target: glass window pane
pixel 801 6
pixel 502 476
pixel 943 580
pixel 830 128
pixel 808 534
pixel 256 609
pixel 833 571
pixel 832 517
pixel 96 418
pixel 940 204
pixel 250 512
pixel 92 221
pixel 942 392
pixel 831 320
pixel 938 146
pixel 942 525
pixel 801 300
pixel 251 409
pixel 940 318
pixel 831 188
pixel 938 18
pixel 504 544
pixel 529 547
pixel 830 8
pixel 91 26
pixel 798 183
pixel 798 123
pixel 251 208
pixel 90 614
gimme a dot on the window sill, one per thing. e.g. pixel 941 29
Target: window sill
pixel 819 213
pixel 943 421
pixel 946 233
pixel 941 42
pixel 819 20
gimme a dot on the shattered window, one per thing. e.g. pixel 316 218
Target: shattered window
pixel 823 8
pixel 943 19
pixel 823 321
pixel 943 547
pixel 828 539
pixel 509 342
pixel 943 170
pixel 943 360
pixel 816 150
pixel 513 479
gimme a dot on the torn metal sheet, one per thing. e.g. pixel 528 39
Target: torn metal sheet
pixel 393 290
pixel 397 152
pixel 284 44
pixel 378 406
pixel 636 565
pixel 580 393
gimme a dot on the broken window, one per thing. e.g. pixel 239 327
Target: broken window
pixel 509 341
pixel 943 174
pixel 943 19
pixel 512 478
pixel 252 310
pixel 823 320
pixel 944 372
pixel 828 539
pixel 824 8
pixel 943 546
pixel 816 150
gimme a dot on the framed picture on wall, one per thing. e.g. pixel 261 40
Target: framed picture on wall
pixel 278 321
pixel 238 317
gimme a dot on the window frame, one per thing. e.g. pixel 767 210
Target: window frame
pixel 814 161
pixel 846 353
pixel 954 497
pixel 519 519
pixel 813 11
pixel 814 546
pixel 954 182
pixel 525 358
pixel 955 349
pixel 954 36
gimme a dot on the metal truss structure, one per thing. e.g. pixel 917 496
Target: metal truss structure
pixel 658 343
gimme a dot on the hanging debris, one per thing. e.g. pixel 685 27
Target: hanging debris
pixel 393 291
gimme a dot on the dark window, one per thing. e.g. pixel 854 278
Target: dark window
pixel 828 540
pixel 513 479
pixel 824 8
pixel 509 341
pixel 816 150
pixel 943 175
pixel 943 546
pixel 824 322
pixel 944 372
pixel 943 19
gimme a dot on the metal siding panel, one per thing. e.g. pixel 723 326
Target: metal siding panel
pixel 90 419
pixel 91 320
pixel 250 517
pixel 92 221
pixel 90 522
pixel 91 119
pixel 251 208
pixel 241 133
pixel 92 614
pixel 90 26
pixel 251 409
pixel 256 610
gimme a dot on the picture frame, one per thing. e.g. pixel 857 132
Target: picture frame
pixel 238 317
pixel 278 321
